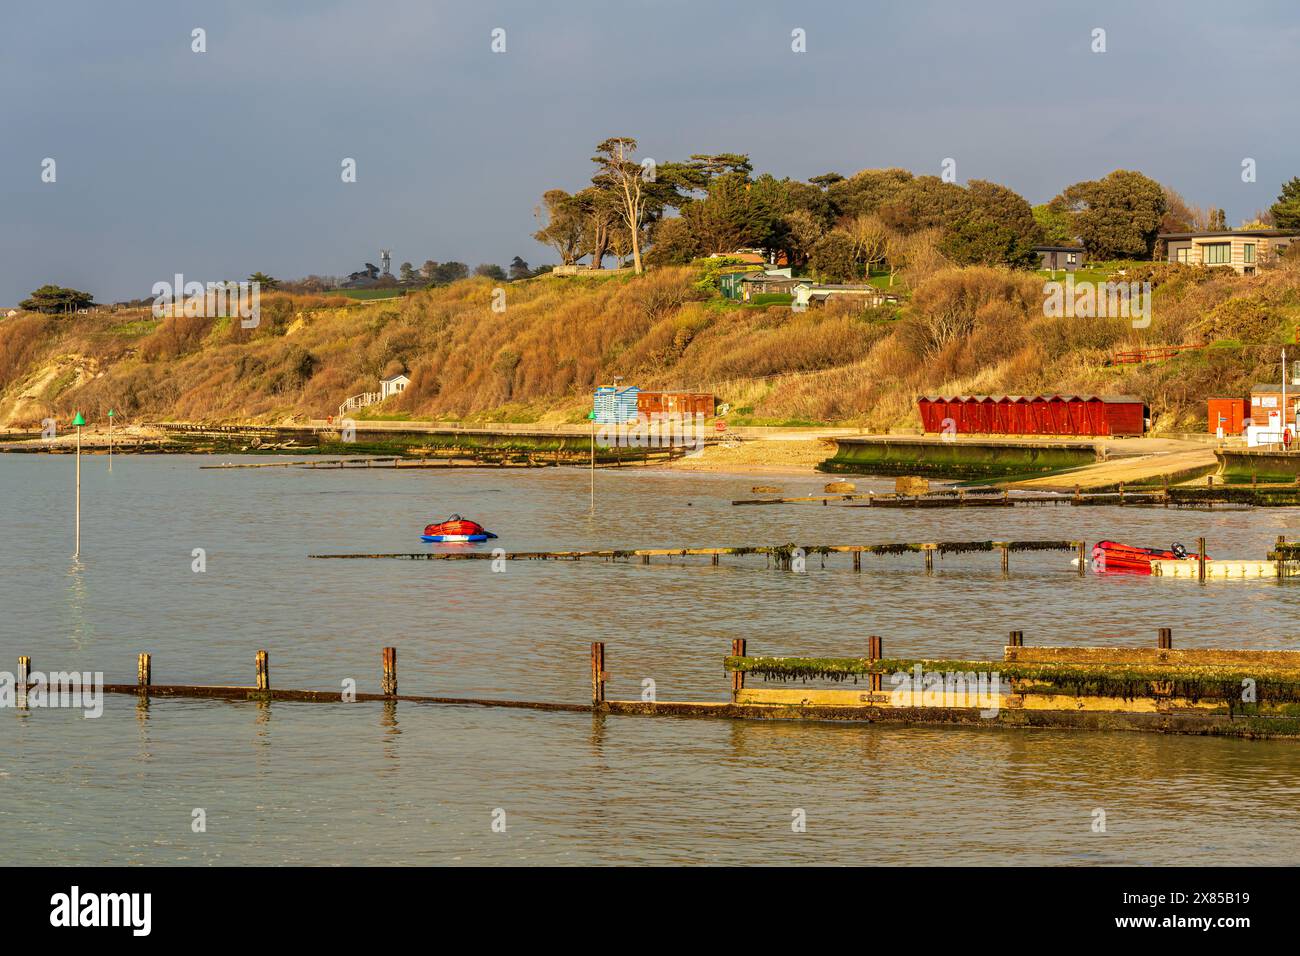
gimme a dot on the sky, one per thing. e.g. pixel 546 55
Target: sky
pixel 221 163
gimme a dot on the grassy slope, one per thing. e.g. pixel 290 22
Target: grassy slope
pixel 557 337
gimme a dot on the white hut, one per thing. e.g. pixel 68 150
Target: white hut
pixel 393 385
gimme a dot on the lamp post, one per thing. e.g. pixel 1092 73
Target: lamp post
pixel 78 421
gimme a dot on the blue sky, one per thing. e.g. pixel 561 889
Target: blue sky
pixel 218 164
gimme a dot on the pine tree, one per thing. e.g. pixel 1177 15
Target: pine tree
pixel 1286 211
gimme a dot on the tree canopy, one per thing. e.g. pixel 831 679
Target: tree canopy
pixel 1116 217
pixel 722 206
pixel 53 299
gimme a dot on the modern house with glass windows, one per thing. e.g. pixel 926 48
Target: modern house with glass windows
pixel 1243 249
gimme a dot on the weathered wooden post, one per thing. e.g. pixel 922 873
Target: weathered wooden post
pixel 1281 540
pixel 1083 558
pixel 1006 559
pixel 929 561
pixel 714 559
pixel 1165 639
pixel 263 671
pixel 875 652
pixel 144 670
pixel 24 674
pixel 598 674
pixel 388 684
pixel 857 560
pixel 737 677
pixel 1200 559
pixel 1017 639
pixel 1121 494
pixel 1077 494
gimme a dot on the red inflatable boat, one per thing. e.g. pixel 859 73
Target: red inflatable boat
pixel 456 528
pixel 1108 556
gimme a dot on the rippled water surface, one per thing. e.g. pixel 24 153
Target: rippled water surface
pixel 370 783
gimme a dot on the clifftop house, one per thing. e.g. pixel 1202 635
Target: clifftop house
pixel 1242 249
pixel 1064 257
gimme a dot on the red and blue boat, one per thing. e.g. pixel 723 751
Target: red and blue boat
pixel 456 528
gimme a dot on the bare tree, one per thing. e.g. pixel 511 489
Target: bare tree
pixel 870 238
pixel 600 218
pixel 624 176
pixel 919 255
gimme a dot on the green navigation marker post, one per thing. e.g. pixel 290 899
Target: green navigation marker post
pixel 78 421
pixel 110 439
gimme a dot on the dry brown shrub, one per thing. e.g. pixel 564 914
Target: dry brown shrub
pixel 20 339
pixel 176 336
pixel 944 308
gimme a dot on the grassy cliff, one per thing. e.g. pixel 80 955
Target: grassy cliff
pixel 960 330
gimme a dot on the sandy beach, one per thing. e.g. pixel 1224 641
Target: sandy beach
pixel 793 457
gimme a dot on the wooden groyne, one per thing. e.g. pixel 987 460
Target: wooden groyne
pixel 1221 692
pixel 1260 496
pixel 783 555
pixel 1226 692
pixel 262 690
pixel 401 440
pixel 448 461
pixel 870 497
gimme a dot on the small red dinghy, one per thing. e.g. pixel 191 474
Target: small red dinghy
pixel 456 528
pixel 1110 556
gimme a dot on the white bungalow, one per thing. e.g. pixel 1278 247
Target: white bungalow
pixel 393 385
pixel 807 293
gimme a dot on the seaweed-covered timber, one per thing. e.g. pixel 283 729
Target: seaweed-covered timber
pixel 1230 692
pixel 782 555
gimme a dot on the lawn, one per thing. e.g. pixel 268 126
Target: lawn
pixel 1095 271
pixel 390 293
pixel 762 299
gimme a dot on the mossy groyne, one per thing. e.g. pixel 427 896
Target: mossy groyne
pixel 965 460
pixel 556 447
pixel 1250 465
